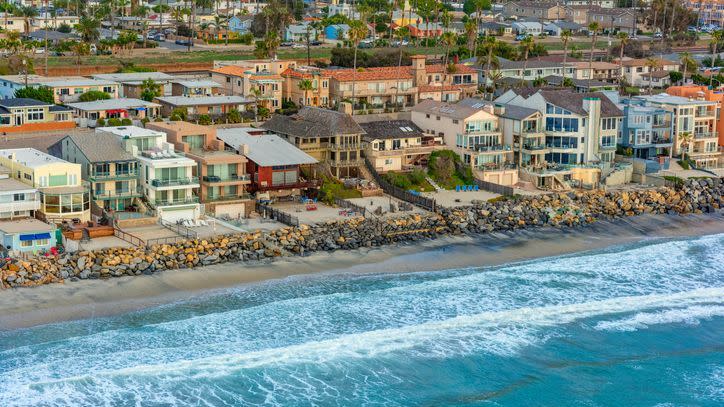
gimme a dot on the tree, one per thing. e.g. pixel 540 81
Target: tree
pixel 471 34
pixel 357 32
pixel 80 49
pixel 204 120
pixel 472 6
pixel 685 138
pixel 87 28
pixel 623 41
pixel 448 39
pixel 93 95
pixel 150 90
pixel 234 116
pixel 593 29
pixel 675 76
pixel 566 36
pixel 653 64
pixel 41 93
pixel 687 62
pixel 526 45
pixel 27 13
pixel 716 38
pixel 142 12
pixel 305 85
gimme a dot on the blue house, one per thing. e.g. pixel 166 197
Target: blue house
pixel 240 24
pixel 27 235
pixel 647 130
pixel 336 31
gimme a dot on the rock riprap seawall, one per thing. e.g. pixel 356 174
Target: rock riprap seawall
pixel 557 210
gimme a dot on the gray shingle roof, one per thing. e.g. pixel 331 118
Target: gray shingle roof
pixel 391 129
pixel 452 110
pixel 265 150
pixel 313 122
pixel 574 101
pixel 100 147
pixel 22 102
pixel 517 112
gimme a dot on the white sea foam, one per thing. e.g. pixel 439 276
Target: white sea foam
pixel 688 315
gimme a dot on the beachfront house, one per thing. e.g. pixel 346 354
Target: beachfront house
pixel 166 177
pixel 222 173
pixel 23 115
pixel 17 199
pixel 64 88
pixel 111 171
pixel 646 130
pixel 273 164
pixel 398 145
pixel 26 236
pixel 63 195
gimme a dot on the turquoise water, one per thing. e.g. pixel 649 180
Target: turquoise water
pixel 636 325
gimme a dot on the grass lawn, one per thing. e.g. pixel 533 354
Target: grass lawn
pixel 414 180
pixel 334 189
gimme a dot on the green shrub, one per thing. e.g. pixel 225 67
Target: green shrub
pixel 114 122
pixel 126 122
pixel 204 119
pixel 144 121
pixel 93 95
pixel 684 164
pixel 234 116
pixel 101 122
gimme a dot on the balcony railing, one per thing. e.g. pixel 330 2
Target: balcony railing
pixel 534 147
pixel 98 176
pixel 492 149
pixel 117 194
pixel 174 182
pixel 351 146
pixel 706 135
pixel 562 146
pixel 607 146
pixel 212 179
pixel 473 131
pixel 346 163
pixel 666 124
pixel 171 202
pixel 407 150
pixel 226 198
pixel 16 206
pixel 295 185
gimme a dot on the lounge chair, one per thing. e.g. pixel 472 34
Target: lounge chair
pixel 476 188
pixel 457 188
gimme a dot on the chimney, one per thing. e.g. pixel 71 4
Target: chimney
pixel 345 107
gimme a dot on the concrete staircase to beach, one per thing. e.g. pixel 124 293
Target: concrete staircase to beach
pixel 433 183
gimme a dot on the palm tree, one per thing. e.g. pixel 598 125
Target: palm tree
pixel 526 44
pixel 653 64
pixel 142 12
pixel 80 49
pixel 87 27
pixel 566 36
pixel 685 139
pixel 305 85
pixel 27 12
pixel 449 39
pixel 490 44
pixel 716 38
pixel 7 9
pixel 357 32
pixel 271 43
pixel 471 34
pixel 687 61
pixel 593 29
pixel 623 41
pixel 402 34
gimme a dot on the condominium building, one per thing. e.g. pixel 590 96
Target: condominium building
pixel 646 130
pixel 702 93
pixel 472 130
pixel 710 12
pixel 166 177
pixel 221 173
pixel 694 127
pixel 64 88
pixel 258 79
pixel 638 72
pixel 111 170
pixel 131 84
pixel 330 137
pixel 63 196
pixel 306 86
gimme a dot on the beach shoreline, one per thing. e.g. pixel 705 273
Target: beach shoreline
pixel 27 307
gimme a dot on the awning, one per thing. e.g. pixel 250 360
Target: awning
pixel 115 111
pixel 24 238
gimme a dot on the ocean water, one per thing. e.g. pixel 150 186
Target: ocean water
pixel 634 325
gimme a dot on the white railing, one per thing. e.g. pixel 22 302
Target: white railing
pixel 20 206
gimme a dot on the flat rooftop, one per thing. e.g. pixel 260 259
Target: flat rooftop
pixel 30 157
pixel 110 104
pixel 56 81
pixel 24 226
pixel 11 184
pixel 203 100
pixel 131 131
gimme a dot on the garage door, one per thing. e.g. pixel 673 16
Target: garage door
pixel 174 215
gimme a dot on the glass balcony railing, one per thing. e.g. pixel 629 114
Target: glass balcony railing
pixel 175 201
pixel 174 182
pixel 113 175
pixel 228 178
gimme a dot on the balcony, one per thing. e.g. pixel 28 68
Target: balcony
pixel 540 148
pixel 407 151
pixel 18 206
pixel 213 179
pixel 346 163
pixel 482 132
pixel 666 125
pixel 296 185
pixel 352 146
pixel 706 135
pixel 175 182
pixel 112 176
pixel 172 202
pixel 562 146
pixel 227 198
pixel 607 146
pixel 124 194
pixel 492 149
pixel 700 152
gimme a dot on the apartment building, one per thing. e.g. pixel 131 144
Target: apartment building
pixel 166 177
pixel 646 130
pixel 617 19
pixel 330 137
pixel 522 129
pixel 216 107
pixel 296 86
pixel 65 88
pixel 534 69
pixel 275 166
pixel 694 126
pixel 258 79
pixel 23 115
pixel 398 145
pixel 635 71
pixel 63 196
pixel 221 173
pixel 540 10
pixel 195 88
pixel 710 12
pixel 111 171
pixel 473 131
pixel 88 114
pixel 17 199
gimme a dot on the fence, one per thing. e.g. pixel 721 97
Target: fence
pixel 495 188
pixel 134 240
pixel 399 193
pixel 165 240
pixel 267 211
pixel 180 230
pixel 343 203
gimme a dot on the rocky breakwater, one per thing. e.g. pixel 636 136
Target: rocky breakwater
pixel 556 210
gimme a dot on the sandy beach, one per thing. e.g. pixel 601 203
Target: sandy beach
pixel 27 307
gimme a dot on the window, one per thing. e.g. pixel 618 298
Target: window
pixel 26 243
pixel 108 89
pixel 456 121
pixel 35 114
pixel 42 242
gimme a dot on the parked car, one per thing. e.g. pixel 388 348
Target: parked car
pixel 315 43
pixel 398 43
pixel 521 37
pixel 184 42
pixel 658 34
pixel 286 44
pixel 159 37
pixel 367 44
pixel 298 45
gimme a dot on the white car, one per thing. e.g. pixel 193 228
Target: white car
pixel 298 46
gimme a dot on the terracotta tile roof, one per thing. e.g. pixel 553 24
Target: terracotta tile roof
pixel 230 70
pixel 390 72
pixel 294 73
pixel 265 77
pixel 433 88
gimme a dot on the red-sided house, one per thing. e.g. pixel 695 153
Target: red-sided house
pixel 273 163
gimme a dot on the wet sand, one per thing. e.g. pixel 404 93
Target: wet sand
pixel 31 306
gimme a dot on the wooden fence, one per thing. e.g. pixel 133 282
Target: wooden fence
pixel 494 188
pixel 399 193
pixel 343 203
